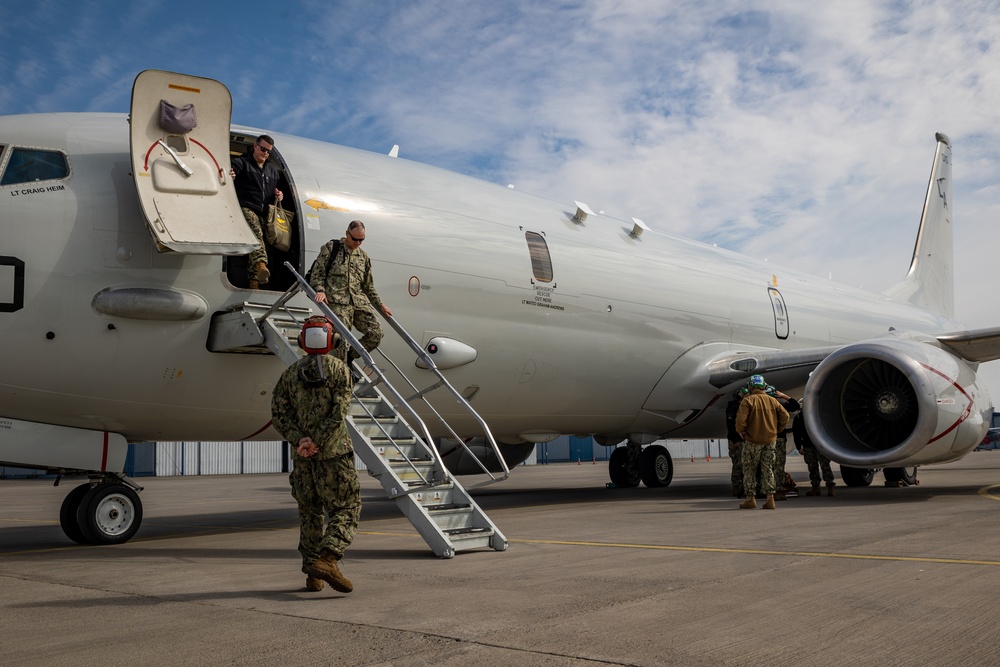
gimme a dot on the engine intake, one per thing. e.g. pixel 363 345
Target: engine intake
pixel 893 402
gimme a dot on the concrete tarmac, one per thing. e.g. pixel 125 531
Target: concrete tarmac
pixel 593 576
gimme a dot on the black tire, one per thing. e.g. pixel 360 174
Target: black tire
pixel 69 511
pixel 901 476
pixel 656 468
pixel 857 476
pixel 110 514
pixel 618 469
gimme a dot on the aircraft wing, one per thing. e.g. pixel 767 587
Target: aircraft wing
pixel 977 345
pixel 791 368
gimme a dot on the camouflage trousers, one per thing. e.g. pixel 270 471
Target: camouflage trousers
pixel 257 227
pixel 362 318
pixel 816 461
pixel 758 456
pixel 321 487
pixel 735 448
pixel 780 454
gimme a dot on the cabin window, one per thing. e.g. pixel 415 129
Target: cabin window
pixel 541 262
pixel 27 165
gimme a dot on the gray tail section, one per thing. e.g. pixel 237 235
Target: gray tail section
pixel 930 282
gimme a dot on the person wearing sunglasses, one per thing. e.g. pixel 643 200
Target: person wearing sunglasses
pixel 256 182
pixel 342 278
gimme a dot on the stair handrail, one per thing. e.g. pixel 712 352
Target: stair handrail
pixel 421 395
pixel 303 285
pixel 282 304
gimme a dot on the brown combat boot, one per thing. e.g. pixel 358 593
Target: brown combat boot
pixel 779 495
pixel 749 504
pixel 263 275
pixel 325 568
pixel 814 491
pixel 253 284
pixel 829 489
pixel 769 503
pixel 313 584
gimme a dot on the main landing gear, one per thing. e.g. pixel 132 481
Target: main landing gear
pixel 893 476
pixel 105 510
pixel 632 463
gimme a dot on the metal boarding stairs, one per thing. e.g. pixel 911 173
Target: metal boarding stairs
pixel 388 434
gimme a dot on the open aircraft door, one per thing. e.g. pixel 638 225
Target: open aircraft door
pixel 180 164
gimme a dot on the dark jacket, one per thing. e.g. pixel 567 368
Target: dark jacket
pixel 254 186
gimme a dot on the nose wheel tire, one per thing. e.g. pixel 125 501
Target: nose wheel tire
pixel 68 513
pixel 109 513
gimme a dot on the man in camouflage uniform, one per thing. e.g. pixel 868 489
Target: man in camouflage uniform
pixel 781 442
pixel 759 420
pixel 309 408
pixel 735 441
pixel 342 278
pixel 813 458
pixel 256 183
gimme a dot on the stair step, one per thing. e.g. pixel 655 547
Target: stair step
pixel 448 507
pixel 468 531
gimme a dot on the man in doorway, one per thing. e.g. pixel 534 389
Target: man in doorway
pixel 256 183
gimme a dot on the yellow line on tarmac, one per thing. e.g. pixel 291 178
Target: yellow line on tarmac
pixel 720 550
pixel 985 492
pixel 764 552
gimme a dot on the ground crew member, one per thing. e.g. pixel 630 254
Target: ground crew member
pixel 759 420
pixel 342 278
pixel 735 441
pixel 815 459
pixel 781 443
pixel 309 408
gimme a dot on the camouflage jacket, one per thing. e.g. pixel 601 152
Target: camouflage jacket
pixel 346 277
pixel 303 405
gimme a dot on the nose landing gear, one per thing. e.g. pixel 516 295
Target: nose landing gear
pixel 106 510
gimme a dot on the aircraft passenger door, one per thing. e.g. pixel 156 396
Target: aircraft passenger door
pixel 179 135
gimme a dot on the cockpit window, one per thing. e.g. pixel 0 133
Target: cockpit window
pixel 541 262
pixel 27 165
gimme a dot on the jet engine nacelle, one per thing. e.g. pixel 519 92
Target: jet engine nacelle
pixel 895 403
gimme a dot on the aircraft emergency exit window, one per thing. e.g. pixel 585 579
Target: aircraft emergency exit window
pixel 27 165
pixel 541 262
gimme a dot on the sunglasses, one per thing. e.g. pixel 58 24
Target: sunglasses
pixel 263 150
pixel 356 240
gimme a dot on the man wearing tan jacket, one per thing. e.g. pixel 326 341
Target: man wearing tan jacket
pixel 759 420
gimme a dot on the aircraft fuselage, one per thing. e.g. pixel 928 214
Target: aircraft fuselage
pixel 614 343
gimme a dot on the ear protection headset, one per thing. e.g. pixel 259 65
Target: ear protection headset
pixel 318 335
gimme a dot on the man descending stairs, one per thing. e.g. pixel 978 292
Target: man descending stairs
pixel 388 434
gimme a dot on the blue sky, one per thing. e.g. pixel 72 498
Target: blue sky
pixel 797 132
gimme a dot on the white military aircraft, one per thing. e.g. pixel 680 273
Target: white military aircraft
pixel 121 241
